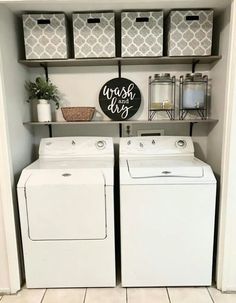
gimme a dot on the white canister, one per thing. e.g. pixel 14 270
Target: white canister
pixel 44 111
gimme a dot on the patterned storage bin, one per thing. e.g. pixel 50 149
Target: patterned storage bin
pixel 45 36
pixel 190 33
pixel 142 34
pixel 94 35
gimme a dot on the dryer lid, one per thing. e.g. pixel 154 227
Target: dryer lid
pixel 164 168
pixel 65 176
pixel 66 205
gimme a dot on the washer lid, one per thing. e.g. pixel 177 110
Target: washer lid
pixel 66 205
pixel 164 168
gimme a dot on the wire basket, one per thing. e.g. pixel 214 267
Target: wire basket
pixel 73 114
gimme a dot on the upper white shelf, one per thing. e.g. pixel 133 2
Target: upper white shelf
pixel 122 61
pixel 69 6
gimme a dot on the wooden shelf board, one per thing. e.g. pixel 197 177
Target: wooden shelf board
pixel 124 61
pixel 94 122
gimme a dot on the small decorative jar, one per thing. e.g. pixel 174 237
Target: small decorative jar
pixel 44 111
pixel 193 94
pixel 162 95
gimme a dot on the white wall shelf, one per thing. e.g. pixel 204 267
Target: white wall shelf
pixel 119 123
pixel 122 122
pixel 122 61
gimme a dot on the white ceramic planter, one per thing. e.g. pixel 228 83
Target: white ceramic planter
pixel 44 111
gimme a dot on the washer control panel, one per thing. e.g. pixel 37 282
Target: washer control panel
pixel 159 145
pixel 65 147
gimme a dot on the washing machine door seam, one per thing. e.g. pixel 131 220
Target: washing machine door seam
pixel 39 234
pixel 62 240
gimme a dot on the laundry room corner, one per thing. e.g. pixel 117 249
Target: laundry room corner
pixel 117 151
pixel 14 139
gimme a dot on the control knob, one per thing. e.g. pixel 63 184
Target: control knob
pixel 101 144
pixel 181 143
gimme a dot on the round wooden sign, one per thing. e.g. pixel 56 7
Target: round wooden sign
pixel 120 99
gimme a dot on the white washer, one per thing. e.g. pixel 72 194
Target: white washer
pixel 167 199
pixel 67 214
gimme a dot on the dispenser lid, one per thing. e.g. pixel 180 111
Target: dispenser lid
pixel 163 77
pixel 195 77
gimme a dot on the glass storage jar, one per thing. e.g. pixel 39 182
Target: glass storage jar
pixel 194 91
pixel 193 94
pixel 161 94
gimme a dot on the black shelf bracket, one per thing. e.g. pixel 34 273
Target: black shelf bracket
pixel 191 124
pixel 194 63
pixel 119 68
pixel 45 67
pixel 120 130
pixel 49 130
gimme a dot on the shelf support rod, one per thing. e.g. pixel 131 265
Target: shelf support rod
pixel 194 63
pixel 119 68
pixel 49 130
pixel 45 67
pixel 191 128
pixel 120 130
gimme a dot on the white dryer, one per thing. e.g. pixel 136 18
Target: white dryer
pixel 67 214
pixel 167 204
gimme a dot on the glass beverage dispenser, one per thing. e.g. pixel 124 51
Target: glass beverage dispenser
pixel 161 95
pixel 193 94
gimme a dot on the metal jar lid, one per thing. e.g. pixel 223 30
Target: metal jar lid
pixel 162 77
pixel 194 77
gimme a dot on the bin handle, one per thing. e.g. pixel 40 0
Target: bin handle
pixel 93 20
pixel 43 21
pixel 192 18
pixel 142 19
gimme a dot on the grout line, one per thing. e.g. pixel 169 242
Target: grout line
pixel 85 294
pixel 210 295
pixel 41 301
pixel 168 294
pixel 126 295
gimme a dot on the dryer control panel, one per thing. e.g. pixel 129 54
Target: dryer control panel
pixel 159 145
pixel 65 147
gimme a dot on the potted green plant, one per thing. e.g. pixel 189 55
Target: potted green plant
pixel 43 91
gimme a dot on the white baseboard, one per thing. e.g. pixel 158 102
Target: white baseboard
pixel 5 291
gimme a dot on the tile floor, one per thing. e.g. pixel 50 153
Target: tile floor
pixel 121 295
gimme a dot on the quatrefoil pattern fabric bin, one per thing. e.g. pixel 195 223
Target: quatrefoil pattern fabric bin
pixel 190 33
pixel 45 36
pixel 94 35
pixel 142 34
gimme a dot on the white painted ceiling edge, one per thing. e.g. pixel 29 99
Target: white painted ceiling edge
pixel 93 5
